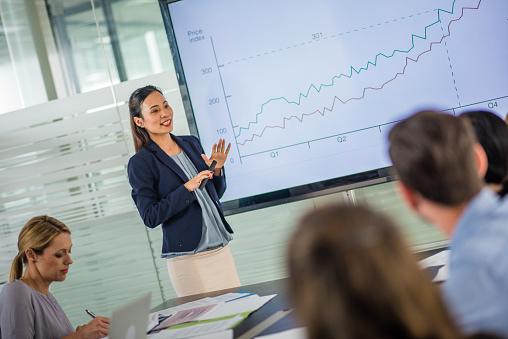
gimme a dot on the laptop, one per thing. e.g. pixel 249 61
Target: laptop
pixel 130 320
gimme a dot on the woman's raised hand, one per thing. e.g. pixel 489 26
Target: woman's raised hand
pixel 219 154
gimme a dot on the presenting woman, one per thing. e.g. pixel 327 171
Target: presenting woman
pixel 165 175
pixel 27 308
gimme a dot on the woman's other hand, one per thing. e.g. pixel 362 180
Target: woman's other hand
pixel 194 183
pixel 97 328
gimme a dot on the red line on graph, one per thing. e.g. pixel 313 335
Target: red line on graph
pixel 322 113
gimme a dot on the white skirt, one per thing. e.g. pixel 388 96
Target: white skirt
pixel 203 272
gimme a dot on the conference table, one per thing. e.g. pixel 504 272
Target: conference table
pixel 273 317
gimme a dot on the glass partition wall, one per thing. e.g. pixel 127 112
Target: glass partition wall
pixel 67 68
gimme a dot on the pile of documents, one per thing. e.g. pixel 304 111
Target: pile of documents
pixel 204 316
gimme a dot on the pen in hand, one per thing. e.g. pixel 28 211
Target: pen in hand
pixel 90 313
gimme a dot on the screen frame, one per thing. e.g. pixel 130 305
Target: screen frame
pixel 269 199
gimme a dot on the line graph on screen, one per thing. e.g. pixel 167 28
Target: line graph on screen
pixel 356 72
pixel 318 85
pixel 434 34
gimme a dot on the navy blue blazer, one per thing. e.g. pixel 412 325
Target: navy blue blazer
pixel 161 198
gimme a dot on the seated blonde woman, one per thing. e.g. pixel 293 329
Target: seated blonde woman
pixel 27 308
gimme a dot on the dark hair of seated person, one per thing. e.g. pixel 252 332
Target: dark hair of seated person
pixel 492 133
pixel 352 276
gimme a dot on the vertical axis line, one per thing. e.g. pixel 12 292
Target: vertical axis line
pixel 225 98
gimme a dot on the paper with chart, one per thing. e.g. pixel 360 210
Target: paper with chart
pixel 204 316
pixel 155 318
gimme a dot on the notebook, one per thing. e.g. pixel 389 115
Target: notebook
pixel 130 320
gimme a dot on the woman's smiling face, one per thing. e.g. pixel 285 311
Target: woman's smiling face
pixel 157 115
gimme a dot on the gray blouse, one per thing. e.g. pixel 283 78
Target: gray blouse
pixel 213 234
pixel 27 313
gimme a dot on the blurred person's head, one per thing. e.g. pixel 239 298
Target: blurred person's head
pixel 352 276
pixel 439 164
pixel 492 133
pixel 433 153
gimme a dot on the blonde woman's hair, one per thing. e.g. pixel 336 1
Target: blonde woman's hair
pixel 37 234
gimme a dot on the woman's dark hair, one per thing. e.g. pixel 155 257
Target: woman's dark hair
pixel 492 133
pixel 139 135
pixel 352 276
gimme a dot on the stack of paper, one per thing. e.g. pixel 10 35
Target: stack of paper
pixel 205 316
